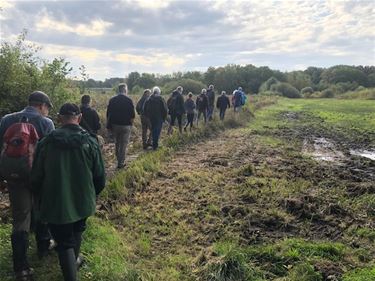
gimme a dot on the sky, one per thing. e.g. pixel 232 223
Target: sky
pixel 114 38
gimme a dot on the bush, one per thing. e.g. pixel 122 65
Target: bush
pixel 266 86
pixel 307 90
pixel 327 93
pixel 286 90
pixel 364 94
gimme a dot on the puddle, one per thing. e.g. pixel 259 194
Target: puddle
pixel 322 149
pixel 370 154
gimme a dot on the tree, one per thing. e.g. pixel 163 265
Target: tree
pixel 84 78
pixel 343 73
pixel 132 79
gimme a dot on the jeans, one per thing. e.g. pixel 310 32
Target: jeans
pixel 222 113
pixel 156 130
pixel 210 112
pixel 122 137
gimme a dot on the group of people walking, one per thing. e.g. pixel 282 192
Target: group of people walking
pixel 55 175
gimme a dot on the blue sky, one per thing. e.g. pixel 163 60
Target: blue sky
pixel 113 38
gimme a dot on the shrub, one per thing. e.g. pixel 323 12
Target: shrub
pixel 286 90
pixel 307 90
pixel 327 93
pixel 266 86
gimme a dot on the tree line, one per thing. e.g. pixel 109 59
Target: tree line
pixel 22 71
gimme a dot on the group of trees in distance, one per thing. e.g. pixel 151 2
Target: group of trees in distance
pixel 22 71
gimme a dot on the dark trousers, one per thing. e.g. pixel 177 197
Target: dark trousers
pixel 156 130
pixel 222 113
pixel 65 234
pixel 204 113
pixel 210 112
pixel 146 131
pixel 190 119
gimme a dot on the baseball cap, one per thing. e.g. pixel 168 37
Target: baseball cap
pixel 69 109
pixel 39 96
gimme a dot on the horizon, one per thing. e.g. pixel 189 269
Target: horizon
pixel 165 37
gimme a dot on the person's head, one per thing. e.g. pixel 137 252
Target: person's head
pixel 123 88
pixel 180 89
pixel 204 91
pixel 85 100
pixel 223 93
pixel 190 95
pixel 240 88
pixel 211 87
pixel 156 91
pixel 69 113
pixel 147 92
pixel 40 101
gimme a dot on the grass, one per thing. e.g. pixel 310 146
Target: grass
pixel 229 220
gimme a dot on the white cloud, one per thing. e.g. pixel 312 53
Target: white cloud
pixel 150 4
pixel 96 27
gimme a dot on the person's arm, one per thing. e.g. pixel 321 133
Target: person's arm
pixel 164 109
pixel 108 115
pixel 98 171
pixel 97 125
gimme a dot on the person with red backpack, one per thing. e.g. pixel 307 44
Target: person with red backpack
pixel 19 133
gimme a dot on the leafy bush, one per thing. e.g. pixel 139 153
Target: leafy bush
pixel 327 93
pixel 307 90
pixel 286 90
pixel 21 74
pixel 266 86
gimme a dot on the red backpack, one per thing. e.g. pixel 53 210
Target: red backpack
pixel 16 157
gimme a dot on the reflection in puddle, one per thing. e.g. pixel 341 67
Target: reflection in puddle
pixel 322 149
pixel 364 153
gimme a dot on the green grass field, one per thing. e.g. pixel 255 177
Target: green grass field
pixel 241 203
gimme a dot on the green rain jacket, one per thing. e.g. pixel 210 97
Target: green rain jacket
pixel 67 175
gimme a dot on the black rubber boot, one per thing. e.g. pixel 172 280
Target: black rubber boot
pixel 77 248
pixel 20 244
pixel 67 259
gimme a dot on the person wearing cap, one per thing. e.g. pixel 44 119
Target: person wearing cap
pixel 68 175
pixel 90 119
pixel 20 196
pixel 120 117
pixel 156 111
pixel 222 104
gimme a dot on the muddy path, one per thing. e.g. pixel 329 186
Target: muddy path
pixel 241 186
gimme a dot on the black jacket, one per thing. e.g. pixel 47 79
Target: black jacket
pixel 90 119
pixel 211 97
pixel 120 111
pixel 176 104
pixel 155 109
pixel 223 102
pixel 202 102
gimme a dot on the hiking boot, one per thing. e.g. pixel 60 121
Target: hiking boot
pixel 80 261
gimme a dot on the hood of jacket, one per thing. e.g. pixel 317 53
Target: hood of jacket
pixel 69 136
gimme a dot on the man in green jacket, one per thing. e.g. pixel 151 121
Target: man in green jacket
pixel 68 174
